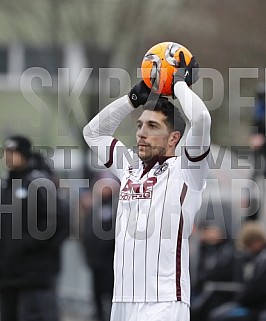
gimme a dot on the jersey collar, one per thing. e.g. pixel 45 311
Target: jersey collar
pixel 156 159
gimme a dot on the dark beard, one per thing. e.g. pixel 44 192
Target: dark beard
pixel 160 151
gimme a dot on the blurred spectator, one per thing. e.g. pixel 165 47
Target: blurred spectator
pixel 98 207
pixel 257 138
pixel 257 141
pixel 216 263
pixel 33 226
pixel 250 302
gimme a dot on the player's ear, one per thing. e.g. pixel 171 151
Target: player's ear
pixel 174 138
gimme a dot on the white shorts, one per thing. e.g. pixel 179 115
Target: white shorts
pixel 155 311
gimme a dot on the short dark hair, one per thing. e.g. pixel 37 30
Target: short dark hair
pixel 174 119
pixel 19 143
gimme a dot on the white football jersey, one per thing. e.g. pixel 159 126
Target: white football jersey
pixel 154 220
pixel 157 203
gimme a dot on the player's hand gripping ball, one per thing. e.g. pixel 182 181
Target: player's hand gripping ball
pixel 160 63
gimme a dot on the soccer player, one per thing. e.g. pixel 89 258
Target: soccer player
pixel 159 196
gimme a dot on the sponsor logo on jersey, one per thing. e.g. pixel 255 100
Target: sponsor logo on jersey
pixel 134 190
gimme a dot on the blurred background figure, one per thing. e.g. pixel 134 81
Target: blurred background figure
pixel 34 224
pixel 257 142
pixel 217 264
pixel 98 208
pixel 249 303
pixel 257 138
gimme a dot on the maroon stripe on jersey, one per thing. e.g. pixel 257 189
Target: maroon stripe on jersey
pixel 123 254
pixel 118 218
pixel 134 250
pixel 146 246
pixel 159 250
pixel 179 244
pixel 111 154
pixel 198 158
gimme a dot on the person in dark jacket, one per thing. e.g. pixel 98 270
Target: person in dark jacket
pixel 98 206
pixel 33 227
pixel 250 302
pixel 216 264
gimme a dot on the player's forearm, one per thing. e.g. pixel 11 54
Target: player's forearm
pixel 106 122
pixel 198 136
pixel 99 131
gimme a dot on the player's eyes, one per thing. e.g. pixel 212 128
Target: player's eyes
pixel 149 125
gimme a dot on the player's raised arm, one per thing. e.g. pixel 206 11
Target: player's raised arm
pixel 198 137
pixel 98 133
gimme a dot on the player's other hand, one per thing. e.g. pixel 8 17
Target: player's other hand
pixel 140 93
pixel 188 73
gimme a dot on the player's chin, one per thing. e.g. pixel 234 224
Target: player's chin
pixel 143 155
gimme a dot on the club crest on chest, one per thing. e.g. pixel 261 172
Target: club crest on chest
pixel 161 169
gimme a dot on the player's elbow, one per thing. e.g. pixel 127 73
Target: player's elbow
pixel 89 131
pixel 89 134
pixel 207 119
pixel 203 120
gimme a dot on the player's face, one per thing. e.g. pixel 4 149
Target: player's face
pixel 153 136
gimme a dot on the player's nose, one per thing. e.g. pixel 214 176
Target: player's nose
pixel 142 131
